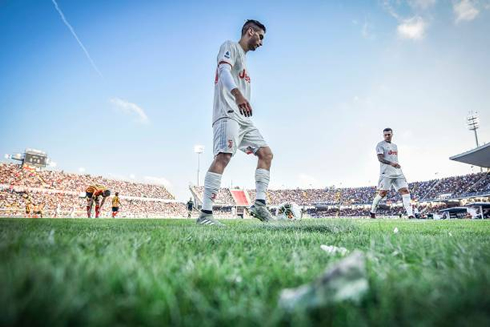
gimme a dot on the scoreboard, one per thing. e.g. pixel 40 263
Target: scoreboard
pixel 35 159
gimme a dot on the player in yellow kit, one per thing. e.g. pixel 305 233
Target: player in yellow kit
pixel 93 194
pixel 28 203
pixel 115 205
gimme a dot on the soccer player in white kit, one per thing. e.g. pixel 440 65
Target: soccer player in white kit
pixel 391 174
pixel 233 128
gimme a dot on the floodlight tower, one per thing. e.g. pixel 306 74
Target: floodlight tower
pixel 473 123
pixel 198 149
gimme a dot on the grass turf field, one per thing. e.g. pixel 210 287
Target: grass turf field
pixel 172 272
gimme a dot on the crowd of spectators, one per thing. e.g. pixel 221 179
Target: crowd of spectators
pixel 436 189
pixel 354 212
pixel 62 193
pixel 14 202
pixel 11 174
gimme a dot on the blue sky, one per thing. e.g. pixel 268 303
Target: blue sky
pixel 133 97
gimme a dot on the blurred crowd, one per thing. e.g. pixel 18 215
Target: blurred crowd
pixel 13 203
pixel 436 189
pixel 61 194
pixel 11 174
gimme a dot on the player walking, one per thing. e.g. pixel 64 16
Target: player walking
pixel 391 174
pixel 57 211
pixel 232 125
pixel 93 194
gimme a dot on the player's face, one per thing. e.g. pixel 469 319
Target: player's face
pixel 256 39
pixel 388 136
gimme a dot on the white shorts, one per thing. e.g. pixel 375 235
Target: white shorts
pixel 229 135
pixel 386 183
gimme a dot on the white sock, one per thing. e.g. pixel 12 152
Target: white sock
pixel 376 200
pixel 212 183
pixel 262 177
pixel 407 204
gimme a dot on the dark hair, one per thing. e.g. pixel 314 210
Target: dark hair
pixel 117 193
pixel 387 129
pixel 255 24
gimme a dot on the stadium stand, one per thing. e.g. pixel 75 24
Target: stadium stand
pixel 55 188
pixel 479 156
pixel 241 197
pixel 356 201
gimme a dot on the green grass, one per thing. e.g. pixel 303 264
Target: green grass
pixel 172 272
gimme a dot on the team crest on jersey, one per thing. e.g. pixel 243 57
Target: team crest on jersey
pixel 230 144
pixel 227 55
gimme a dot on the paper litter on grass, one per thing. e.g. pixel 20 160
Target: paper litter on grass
pixel 342 281
pixel 331 249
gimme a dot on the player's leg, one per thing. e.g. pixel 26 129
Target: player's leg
pixel 225 132
pixel 212 184
pixel 262 173
pixel 253 142
pixel 97 207
pixel 90 204
pixel 384 186
pixel 401 186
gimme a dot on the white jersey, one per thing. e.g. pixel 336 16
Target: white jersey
pixel 224 102
pixel 390 153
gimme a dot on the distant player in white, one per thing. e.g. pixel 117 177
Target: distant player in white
pixel 233 128
pixel 391 174
pixel 58 210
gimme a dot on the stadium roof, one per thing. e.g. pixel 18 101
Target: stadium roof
pixel 479 156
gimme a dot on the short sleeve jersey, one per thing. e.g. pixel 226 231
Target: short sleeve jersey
pixel 115 201
pixel 96 189
pixel 231 53
pixel 390 153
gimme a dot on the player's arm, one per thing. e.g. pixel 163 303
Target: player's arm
pixel 224 73
pixel 226 60
pixel 102 202
pixel 383 160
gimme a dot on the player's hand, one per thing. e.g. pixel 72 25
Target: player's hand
pixel 394 164
pixel 243 104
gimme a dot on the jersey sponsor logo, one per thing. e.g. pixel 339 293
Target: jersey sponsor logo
pixel 243 75
pixel 227 55
pixel 391 152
